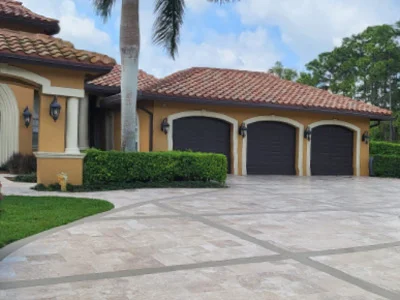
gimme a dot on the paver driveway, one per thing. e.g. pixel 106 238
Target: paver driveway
pixel 263 238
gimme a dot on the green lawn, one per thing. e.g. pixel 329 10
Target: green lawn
pixel 24 216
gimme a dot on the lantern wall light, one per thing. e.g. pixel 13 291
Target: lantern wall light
pixel 55 109
pixel 27 115
pixel 308 133
pixel 165 126
pixel 365 137
pixel 243 130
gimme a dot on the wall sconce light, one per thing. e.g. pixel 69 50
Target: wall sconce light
pixel 366 137
pixel 243 130
pixel 27 117
pixel 307 134
pixel 55 109
pixel 165 126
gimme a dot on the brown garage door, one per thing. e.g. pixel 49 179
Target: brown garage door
pixel 271 148
pixel 332 150
pixel 203 134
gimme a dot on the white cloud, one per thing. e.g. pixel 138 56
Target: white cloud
pixel 75 27
pixel 313 26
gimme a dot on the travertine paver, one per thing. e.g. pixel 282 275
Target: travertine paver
pixel 382 267
pixel 262 238
pixel 147 210
pixel 312 231
pixel 121 245
pixel 286 280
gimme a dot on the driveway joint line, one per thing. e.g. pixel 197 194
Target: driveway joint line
pixel 370 287
pixel 139 272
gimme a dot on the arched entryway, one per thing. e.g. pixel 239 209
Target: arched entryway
pixel 9 117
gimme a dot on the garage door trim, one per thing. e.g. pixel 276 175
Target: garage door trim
pixel 356 130
pixel 272 118
pixel 209 114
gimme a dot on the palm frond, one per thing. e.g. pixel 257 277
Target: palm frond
pixel 104 7
pixel 167 26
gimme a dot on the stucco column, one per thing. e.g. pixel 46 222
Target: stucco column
pixel 84 123
pixel 72 126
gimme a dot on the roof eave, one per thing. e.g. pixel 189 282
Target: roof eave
pixel 102 90
pixel 372 116
pixel 47 27
pixel 115 100
pixel 15 58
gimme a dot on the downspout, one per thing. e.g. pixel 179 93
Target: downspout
pixel 150 127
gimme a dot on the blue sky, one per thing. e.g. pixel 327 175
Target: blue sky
pixel 250 34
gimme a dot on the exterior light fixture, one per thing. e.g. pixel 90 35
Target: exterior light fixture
pixel 27 115
pixel 165 126
pixel 307 134
pixel 55 109
pixel 243 130
pixel 365 137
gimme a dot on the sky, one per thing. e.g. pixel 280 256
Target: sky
pixel 247 35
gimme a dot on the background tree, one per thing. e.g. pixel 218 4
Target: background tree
pixel 166 32
pixel 366 67
pixel 285 73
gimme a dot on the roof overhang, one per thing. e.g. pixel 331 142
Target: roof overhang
pixel 46 27
pixel 102 90
pixel 65 64
pixel 115 100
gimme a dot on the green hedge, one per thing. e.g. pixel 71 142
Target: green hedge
pixel 103 167
pixel 386 166
pixel 384 148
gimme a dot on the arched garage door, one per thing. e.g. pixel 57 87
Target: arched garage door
pixel 271 148
pixel 203 134
pixel 332 150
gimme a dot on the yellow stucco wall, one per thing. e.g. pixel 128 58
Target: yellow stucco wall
pixel 51 134
pixel 163 110
pixel 48 168
pixel 24 98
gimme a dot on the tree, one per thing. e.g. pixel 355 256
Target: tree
pixel 169 19
pixel 366 67
pixel 284 73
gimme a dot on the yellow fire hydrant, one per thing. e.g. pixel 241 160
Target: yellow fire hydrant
pixel 62 179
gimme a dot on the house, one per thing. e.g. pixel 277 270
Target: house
pixel 264 125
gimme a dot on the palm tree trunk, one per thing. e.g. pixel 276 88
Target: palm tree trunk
pixel 129 47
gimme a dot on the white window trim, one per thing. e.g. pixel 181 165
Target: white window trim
pixel 45 83
pixel 208 114
pixel 273 118
pixel 9 126
pixel 357 131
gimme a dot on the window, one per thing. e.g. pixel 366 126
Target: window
pixel 35 121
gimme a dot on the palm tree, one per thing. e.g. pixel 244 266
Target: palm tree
pixel 166 32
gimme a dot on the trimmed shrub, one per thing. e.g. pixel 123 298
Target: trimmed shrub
pixel 384 148
pixel 26 178
pixel 108 167
pixel 21 164
pixel 386 166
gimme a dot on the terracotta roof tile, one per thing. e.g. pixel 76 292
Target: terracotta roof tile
pixel 33 45
pixel 16 11
pixel 254 87
pixel 113 79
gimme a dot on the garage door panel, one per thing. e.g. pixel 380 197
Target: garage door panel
pixel 202 134
pixel 332 150
pixel 271 148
